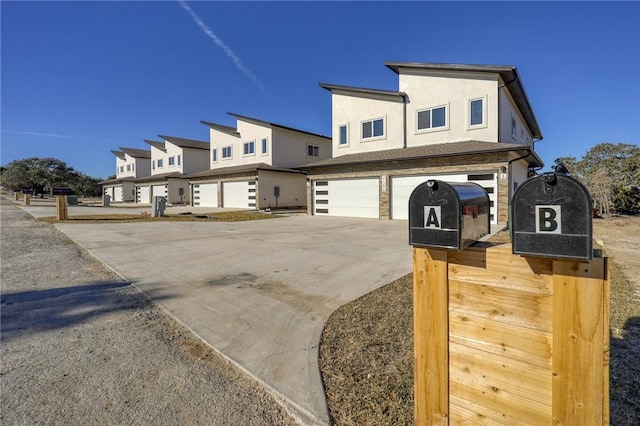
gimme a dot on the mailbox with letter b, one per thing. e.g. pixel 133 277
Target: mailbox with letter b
pixel 552 216
pixel 448 215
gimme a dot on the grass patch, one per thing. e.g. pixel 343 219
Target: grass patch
pixel 366 355
pixel 236 216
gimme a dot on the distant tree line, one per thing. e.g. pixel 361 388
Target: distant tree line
pixel 611 172
pixel 41 174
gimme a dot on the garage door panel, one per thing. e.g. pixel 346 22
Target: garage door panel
pixel 143 194
pixel 205 194
pixel 158 191
pixel 239 194
pixel 347 197
pixel 117 194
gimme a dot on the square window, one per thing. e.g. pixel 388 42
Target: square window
pixel 432 118
pixel 265 146
pixel 373 128
pixel 313 151
pixel 476 112
pixel 249 148
pixel 226 152
pixel 343 136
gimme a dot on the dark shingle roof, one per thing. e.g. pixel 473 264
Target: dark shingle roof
pixel 363 91
pixel 118 154
pixel 269 124
pixel 186 143
pixel 451 149
pixel 240 169
pixel 224 129
pixel 509 74
pixel 155 144
pixel 137 153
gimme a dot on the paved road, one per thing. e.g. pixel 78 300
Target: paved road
pixel 259 292
pixel 81 346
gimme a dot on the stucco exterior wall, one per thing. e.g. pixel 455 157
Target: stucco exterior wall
pixel 292 189
pixel 157 154
pixel 194 160
pixel 218 140
pixel 508 111
pixel 143 166
pixel 290 148
pixel 352 111
pixel 173 191
pixel 429 89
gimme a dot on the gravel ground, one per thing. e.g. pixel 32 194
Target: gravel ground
pixel 80 346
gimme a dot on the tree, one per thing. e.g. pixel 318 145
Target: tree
pixel 41 174
pixel 611 172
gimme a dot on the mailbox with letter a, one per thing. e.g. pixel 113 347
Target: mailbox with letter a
pixel 552 215
pixel 447 215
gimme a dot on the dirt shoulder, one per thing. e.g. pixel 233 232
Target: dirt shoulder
pixel 80 346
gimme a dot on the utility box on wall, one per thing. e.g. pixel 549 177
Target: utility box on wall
pixel 448 215
pixel 552 216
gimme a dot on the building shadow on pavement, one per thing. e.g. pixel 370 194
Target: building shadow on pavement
pixel 624 373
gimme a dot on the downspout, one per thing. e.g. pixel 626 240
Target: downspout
pixel 509 190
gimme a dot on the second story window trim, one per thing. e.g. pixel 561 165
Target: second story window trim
pixel 477 113
pixel 227 152
pixel 313 151
pixel 265 146
pixel 373 129
pixel 432 119
pixel 214 155
pixel 250 148
pixel 160 163
pixel 513 127
pixel 172 161
pixel 343 135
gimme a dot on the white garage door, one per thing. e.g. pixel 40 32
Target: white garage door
pixel 403 186
pixel 117 193
pixel 239 194
pixel 142 194
pixel 205 194
pixel 158 191
pixel 347 197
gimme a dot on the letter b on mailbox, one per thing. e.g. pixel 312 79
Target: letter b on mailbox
pixel 552 217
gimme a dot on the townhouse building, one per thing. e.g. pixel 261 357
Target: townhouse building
pixel 454 122
pixel 131 163
pixel 252 165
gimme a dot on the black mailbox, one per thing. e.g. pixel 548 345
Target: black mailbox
pixel 448 215
pixel 552 215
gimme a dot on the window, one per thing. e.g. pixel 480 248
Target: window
pixel 172 161
pixel 373 128
pixel 344 135
pixel 160 163
pixel 153 164
pixel 226 152
pixel 214 155
pixel 133 167
pixel 179 159
pixel 313 151
pixel 250 148
pixel 513 127
pixel 128 167
pixel 476 112
pixel 432 118
pixel 121 169
pixel 265 146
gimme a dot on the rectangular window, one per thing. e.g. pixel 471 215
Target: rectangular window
pixel 344 140
pixel 373 128
pixel 160 163
pixel 128 167
pixel 179 159
pixel 133 167
pixel 432 118
pixel 226 152
pixel 121 169
pixel 172 161
pixel 265 146
pixel 153 164
pixel 313 151
pixel 513 127
pixel 476 112
pixel 250 148
pixel 214 155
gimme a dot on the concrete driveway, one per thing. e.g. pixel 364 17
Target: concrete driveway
pixel 259 292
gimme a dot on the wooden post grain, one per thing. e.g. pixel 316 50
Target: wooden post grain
pixel 16 196
pixel 61 208
pixel 431 349
pixel 27 199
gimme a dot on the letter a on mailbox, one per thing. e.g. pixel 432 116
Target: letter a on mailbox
pixel 432 217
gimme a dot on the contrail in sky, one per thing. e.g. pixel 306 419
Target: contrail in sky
pixel 236 60
pixel 52 135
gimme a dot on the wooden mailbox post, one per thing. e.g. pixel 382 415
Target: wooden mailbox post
pixel 501 338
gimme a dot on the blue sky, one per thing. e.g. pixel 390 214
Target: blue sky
pixel 79 79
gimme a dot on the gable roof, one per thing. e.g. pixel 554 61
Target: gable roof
pixel 224 129
pixel 450 149
pixel 137 153
pixel 364 91
pixel 186 143
pixel 158 145
pixel 269 124
pixel 508 73
pixel 118 154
